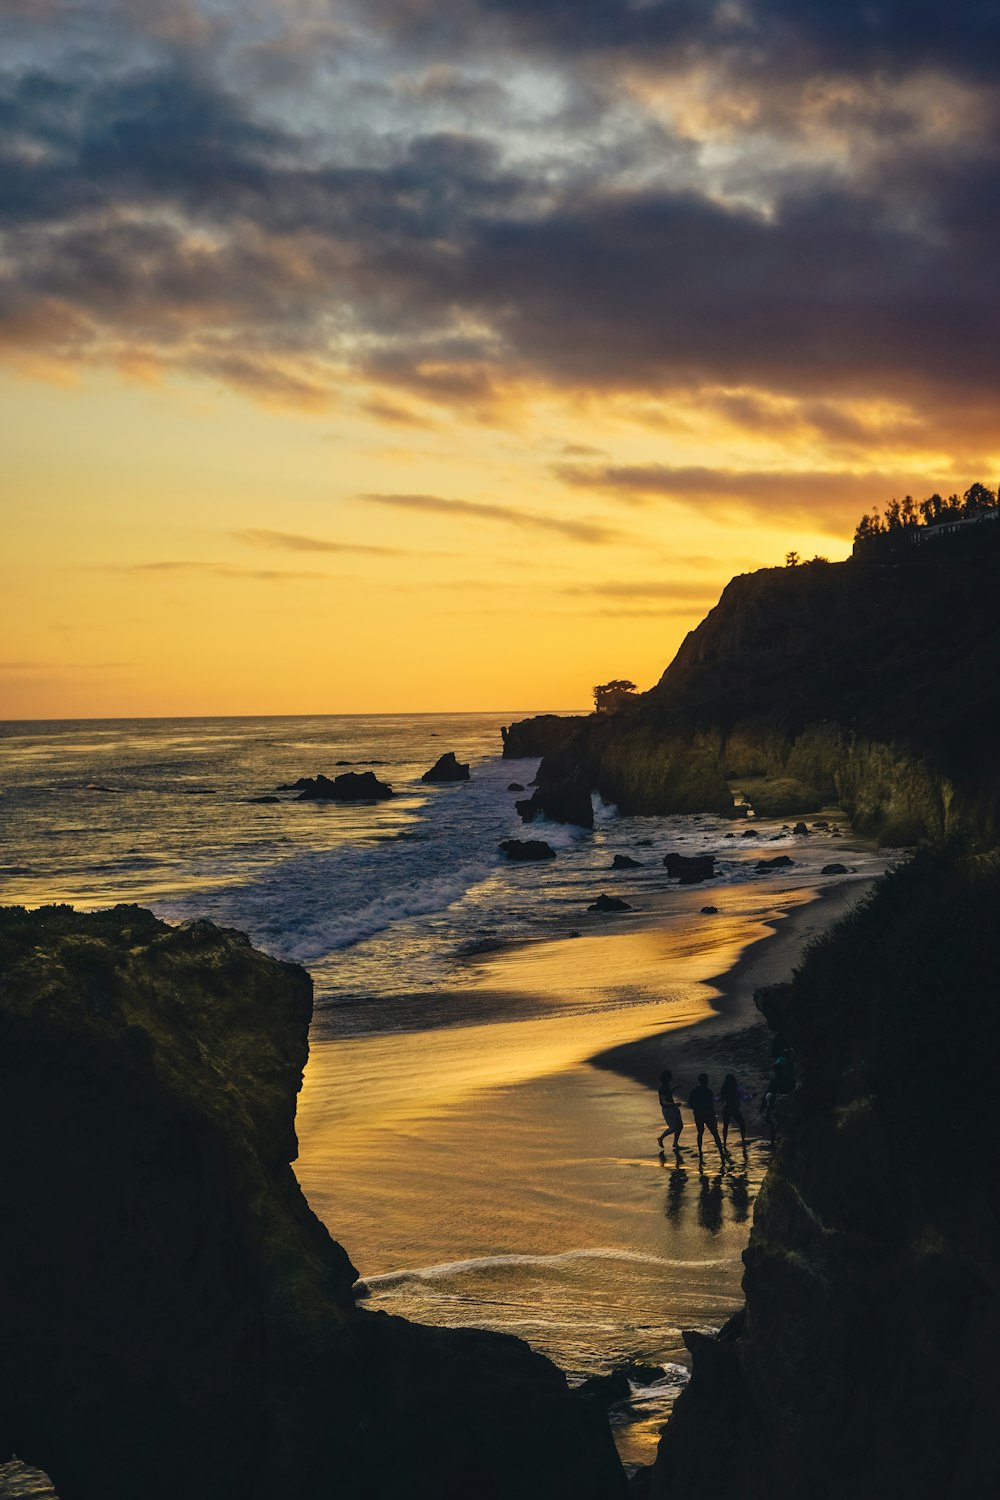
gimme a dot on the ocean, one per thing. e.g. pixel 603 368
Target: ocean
pixel 454 1132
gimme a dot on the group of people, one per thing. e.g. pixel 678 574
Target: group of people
pixel 701 1102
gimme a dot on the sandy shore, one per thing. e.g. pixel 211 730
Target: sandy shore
pixel 735 1036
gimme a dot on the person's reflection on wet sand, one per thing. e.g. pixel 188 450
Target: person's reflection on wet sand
pixel 739 1196
pixel 675 1194
pixel 710 1202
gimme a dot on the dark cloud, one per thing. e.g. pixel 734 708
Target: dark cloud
pixel 592 532
pixel 151 210
pixel 777 36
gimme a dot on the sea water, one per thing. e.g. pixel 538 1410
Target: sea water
pixel 453 1134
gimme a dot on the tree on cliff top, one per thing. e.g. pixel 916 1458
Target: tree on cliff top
pixel 611 697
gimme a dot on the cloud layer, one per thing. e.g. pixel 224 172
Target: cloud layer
pixel 777 200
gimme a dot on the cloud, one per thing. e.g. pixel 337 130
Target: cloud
pixel 324 227
pixel 830 501
pixel 591 532
pixel 292 542
pixel 218 570
pixel 648 588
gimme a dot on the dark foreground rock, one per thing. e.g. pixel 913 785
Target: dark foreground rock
pixel 779 862
pixel 866 1361
pixel 690 869
pixel 174 1320
pixel 834 870
pixel 609 903
pixel 515 786
pixel 625 862
pixel 349 786
pixel 527 849
pixel 447 768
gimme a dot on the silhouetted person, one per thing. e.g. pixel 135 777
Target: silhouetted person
pixel 730 1096
pixel 703 1107
pixel 671 1111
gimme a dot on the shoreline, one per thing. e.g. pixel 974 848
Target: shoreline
pixel 737 1031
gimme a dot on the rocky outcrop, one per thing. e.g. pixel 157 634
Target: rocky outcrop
pixel 867 683
pixel 562 793
pixel 690 869
pixel 527 849
pixel 349 786
pixel 609 903
pixel 447 768
pixel 865 1363
pixel 625 862
pixel 174 1320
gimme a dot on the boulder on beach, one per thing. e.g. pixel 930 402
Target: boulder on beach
pixel 447 768
pixel 779 862
pixel 609 903
pixel 350 786
pixel 616 1386
pixel 260 800
pixel 747 833
pixel 690 869
pixel 800 828
pixel 709 911
pixel 625 862
pixel 527 849
pixel 835 870
pixel 515 786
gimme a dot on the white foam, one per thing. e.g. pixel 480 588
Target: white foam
pixel 514 1261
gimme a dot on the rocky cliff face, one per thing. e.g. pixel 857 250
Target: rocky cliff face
pixel 871 683
pixel 865 1362
pixel 174 1320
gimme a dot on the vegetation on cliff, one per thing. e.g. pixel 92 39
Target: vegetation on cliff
pixel 865 682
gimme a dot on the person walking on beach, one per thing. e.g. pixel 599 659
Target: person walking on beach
pixel 730 1096
pixel 671 1111
pixel 703 1107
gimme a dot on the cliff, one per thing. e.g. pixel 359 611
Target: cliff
pixel 869 682
pixel 864 1363
pixel 174 1320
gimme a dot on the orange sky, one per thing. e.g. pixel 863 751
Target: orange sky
pixel 345 374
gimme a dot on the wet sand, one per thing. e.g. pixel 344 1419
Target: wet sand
pixel 506 1173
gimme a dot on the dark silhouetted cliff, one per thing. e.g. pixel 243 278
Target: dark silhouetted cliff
pixel 865 1363
pixel 875 683
pixel 174 1319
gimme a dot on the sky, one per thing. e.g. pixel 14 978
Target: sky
pixel 453 354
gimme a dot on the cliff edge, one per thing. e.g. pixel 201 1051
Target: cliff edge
pixel 870 682
pixel 865 1361
pixel 174 1319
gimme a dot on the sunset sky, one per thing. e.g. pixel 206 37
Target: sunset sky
pixel 453 354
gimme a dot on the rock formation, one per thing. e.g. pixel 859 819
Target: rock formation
pixel 625 862
pixel 690 869
pixel 527 849
pixel 609 903
pixel 865 1363
pixel 447 768
pixel 174 1320
pixel 349 786
pixel 562 793
pixel 868 683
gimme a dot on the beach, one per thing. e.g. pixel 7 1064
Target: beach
pixel 506 1173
